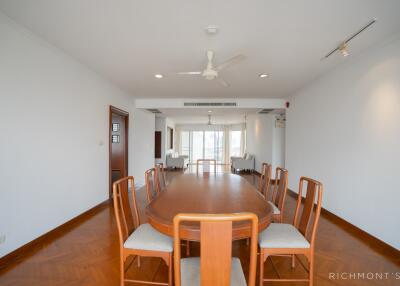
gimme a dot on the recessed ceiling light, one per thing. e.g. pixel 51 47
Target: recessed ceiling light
pixel 263 75
pixel 211 29
pixel 209 111
pixel 158 75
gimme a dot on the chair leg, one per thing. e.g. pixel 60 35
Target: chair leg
pixel 170 274
pixel 261 282
pixel 122 271
pixel 187 247
pixel 293 260
pixel 138 261
pixel 311 271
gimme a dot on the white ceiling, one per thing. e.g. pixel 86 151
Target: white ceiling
pixel 200 116
pixel 129 41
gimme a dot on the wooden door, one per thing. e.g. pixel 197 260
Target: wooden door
pixel 118 145
pixel 157 144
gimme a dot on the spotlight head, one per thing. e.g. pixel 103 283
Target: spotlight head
pixel 343 49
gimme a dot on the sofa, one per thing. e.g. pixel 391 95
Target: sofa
pixel 176 161
pixel 243 163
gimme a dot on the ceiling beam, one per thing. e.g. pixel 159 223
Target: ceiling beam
pixel 261 103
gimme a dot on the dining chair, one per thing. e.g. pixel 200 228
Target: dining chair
pixel 264 182
pixel 215 266
pixel 206 161
pixel 151 189
pixel 136 239
pixel 160 177
pixel 279 194
pixel 281 239
pixel 160 185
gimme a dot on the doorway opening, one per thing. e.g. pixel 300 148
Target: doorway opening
pixel 118 145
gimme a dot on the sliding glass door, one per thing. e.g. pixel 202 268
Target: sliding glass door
pixel 213 145
pixel 197 145
pixel 203 145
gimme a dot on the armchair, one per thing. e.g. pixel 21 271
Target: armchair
pixel 177 161
pixel 242 163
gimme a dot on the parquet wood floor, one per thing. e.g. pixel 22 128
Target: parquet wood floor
pixel 87 254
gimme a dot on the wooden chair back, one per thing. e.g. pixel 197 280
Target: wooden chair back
pixel 215 246
pixel 126 222
pixel 264 183
pixel 280 188
pixel 160 178
pixel 200 162
pixel 151 189
pixel 302 221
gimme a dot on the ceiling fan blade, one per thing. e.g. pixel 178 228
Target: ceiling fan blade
pixel 189 73
pixel 223 82
pixel 231 61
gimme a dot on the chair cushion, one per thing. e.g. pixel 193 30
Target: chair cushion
pixel 190 272
pixel 282 235
pixel 145 237
pixel 275 209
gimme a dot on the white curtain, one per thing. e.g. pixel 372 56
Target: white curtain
pixel 227 136
pixel 178 140
pixel 242 139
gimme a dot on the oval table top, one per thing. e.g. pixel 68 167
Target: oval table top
pixel 214 194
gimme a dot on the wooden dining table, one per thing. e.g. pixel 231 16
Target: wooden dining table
pixel 208 193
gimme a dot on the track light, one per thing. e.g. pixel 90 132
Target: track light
pixel 343 48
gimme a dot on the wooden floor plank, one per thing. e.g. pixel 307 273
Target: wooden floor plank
pixel 88 255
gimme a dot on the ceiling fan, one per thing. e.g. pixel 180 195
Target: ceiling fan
pixel 212 72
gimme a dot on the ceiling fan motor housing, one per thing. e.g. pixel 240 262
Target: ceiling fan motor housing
pixel 210 74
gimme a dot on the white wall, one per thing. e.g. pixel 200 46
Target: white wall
pixel 142 147
pixel 278 146
pixel 344 129
pixel 265 141
pixel 54 136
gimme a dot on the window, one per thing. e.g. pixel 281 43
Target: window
pixel 235 138
pixel 209 145
pixel 213 141
pixel 203 145
pixel 185 143
pixel 197 145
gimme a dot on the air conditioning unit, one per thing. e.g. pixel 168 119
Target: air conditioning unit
pixel 265 111
pixel 155 111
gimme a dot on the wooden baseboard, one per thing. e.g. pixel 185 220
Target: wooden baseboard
pixel 372 241
pixel 37 244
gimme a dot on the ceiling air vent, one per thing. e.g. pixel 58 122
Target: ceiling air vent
pixel 155 111
pixel 205 104
pixel 265 111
